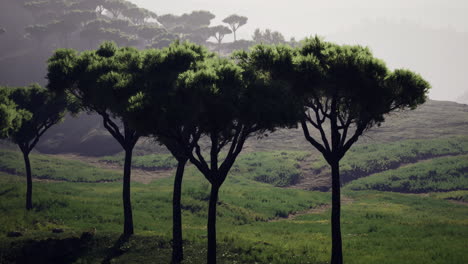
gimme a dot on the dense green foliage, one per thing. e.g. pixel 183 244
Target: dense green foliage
pixel 45 109
pixel 11 117
pixel 439 174
pixel 52 168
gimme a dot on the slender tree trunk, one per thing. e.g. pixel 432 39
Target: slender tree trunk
pixel 337 252
pixel 219 46
pixel 234 35
pixel 177 247
pixel 128 218
pixel 211 257
pixel 28 180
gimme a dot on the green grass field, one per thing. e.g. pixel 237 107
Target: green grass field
pixel 52 168
pixel 258 222
pixel 439 174
pixel 426 229
pixel 146 162
pixel 363 160
pixel 284 168
pixel 279 168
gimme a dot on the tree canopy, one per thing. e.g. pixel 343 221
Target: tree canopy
pixel 40 109
pixel 11 117
pixel 232 103
pixel 235 22
pixel 139 15
pixel 218 32
pixel 166 112
pixel 46 108
pixel 103 80
pixel 344 91
pixel 268 37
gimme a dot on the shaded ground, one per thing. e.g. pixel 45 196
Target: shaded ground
pixel 50 250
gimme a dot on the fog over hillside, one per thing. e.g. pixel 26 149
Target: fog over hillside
pixel 463 99
pixel 427 36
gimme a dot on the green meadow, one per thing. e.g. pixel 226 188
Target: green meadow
pixel 52 168
pixel 253 223
pixel 259 220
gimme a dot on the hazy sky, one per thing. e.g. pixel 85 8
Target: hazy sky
pixel 338 20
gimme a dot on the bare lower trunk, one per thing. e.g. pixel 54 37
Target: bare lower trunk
pixel 177 247
pixel 128 218
pixel 211 257
pixel 337 252
pixel 28 180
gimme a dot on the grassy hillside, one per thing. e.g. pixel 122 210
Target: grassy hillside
pixel 301 169
pixel 146 162
pixel 375 224
pixel 52 168
pixel 258 222
pixel 440 174
pixel 279 168
pixel 434 119
pixel 365 159
pixel 308 170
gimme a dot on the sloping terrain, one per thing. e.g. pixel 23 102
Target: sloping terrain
pixel 86 136
pixel 265 213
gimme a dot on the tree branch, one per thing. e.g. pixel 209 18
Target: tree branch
pixel 236 147
pixel 312 141
pixel 345 127
pixel 322 132
pixel 352 140
pixel 200 163
pixel 214 151
pixel 112 128
pixel 39 133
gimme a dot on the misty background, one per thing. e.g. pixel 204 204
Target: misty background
pixel 426 36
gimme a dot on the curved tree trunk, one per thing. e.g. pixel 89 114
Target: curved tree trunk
pixel 128 217
pixel 337 252
pixel 177 247
pixel 28 180
pixel 211 257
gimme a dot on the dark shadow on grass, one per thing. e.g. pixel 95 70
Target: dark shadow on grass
pixel 6 191
pixel 116 250
pixel 50 251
